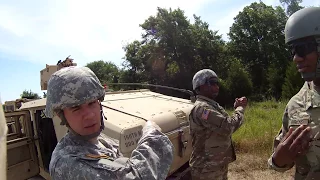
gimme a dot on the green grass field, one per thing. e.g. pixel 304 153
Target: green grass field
pixel 262 123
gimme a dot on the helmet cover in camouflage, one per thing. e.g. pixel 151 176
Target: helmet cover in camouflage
pixel 72 86
pixel 202 76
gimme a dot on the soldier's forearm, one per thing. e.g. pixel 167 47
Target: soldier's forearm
pixel 236 119
pixel 153 155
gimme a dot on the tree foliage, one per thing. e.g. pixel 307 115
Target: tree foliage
pixel 292 83
pixel 255 62
pixel 105 71
pixel 29 94
pixel 257 39
pixel 292 6
pixel 172 49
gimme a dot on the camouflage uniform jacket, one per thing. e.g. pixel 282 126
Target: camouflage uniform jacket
pixel 74 158
pixel 211 129
pixel 303 108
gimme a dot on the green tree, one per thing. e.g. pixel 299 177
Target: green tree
pixel 293 82
pixel 238 80
pixel 172 49
pixel 105 71
pixel 275 81
pixel 136 62
pixel 257 39
pixel 291 6
pixel 29 94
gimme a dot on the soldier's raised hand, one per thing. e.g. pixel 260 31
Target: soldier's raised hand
pixel 240 102
pixel 294 144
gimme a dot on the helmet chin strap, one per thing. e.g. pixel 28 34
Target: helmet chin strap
pixel 89 136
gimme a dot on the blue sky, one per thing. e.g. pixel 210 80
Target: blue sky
pixel 35 33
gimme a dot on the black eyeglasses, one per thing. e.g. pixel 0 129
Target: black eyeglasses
pixel 303 49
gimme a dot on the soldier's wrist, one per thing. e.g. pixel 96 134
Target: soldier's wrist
pixel 279 166
pixel 239 108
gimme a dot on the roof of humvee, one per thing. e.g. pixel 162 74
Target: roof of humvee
pixel 120 99
pixel 125 109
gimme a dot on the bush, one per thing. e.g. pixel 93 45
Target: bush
pixel 292 83
pixel 238 80
pixel 261 124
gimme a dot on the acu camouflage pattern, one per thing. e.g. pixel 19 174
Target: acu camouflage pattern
pixel 201 77
pixel 72 86
pixel 303 108
pixel 73 158
pixel 211 138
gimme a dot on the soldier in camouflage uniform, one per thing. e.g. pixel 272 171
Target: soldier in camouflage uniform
pixel 211 129
pixel 74 94
pixel 298 140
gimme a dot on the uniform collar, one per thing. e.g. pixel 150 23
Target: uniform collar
pixel 203 98
pixel 313 96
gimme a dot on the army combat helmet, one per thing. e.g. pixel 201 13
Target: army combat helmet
pixel 305 23
pixel 201 77
pixel 73 86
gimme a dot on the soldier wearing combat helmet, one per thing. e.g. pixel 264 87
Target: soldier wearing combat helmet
pixel 211 129
pixel 298 140
pixel 75 95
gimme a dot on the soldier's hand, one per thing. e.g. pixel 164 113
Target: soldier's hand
pixel 240 102
pixel 243 101
pixel 152 124
pixel 294 144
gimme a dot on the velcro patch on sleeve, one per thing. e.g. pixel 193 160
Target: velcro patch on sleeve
pixel 205 114
pixel 298 117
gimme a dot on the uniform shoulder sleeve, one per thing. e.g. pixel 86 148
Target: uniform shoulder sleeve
pixel 223 124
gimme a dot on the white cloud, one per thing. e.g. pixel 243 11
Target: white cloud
pixel 87 30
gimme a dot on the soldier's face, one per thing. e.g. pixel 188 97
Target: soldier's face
pixel 84 119
pixel 211 88
pixel 305 56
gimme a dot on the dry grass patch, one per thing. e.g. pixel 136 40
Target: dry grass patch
pixel 254 140
pixel 253 167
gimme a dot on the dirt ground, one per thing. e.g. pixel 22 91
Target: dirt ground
pixel 252 167
pixel 248 167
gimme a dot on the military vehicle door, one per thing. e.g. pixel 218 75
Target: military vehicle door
pixel 22 160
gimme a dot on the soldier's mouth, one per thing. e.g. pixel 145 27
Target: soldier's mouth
pixel 90 126
pixel 302 68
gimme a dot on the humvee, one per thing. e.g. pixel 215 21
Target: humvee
pixel 3 145
pixel 32 136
